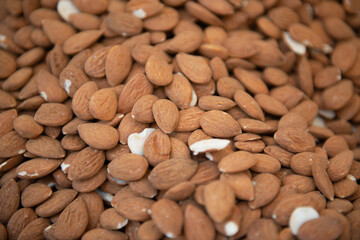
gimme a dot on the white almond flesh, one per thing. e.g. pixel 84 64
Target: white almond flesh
pixel 136 141
pixel 300 216
pixel 209 145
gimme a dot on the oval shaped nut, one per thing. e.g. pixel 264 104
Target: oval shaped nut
pixel 37 168
pixel 26 127
pixel 142 109
pixel 344 55
pixel 9 200
pixel 8 64
pixel 166 115
pixel 44 146
pixel 271 105
pixel 103 104
pixel 99 135
pixel 322 181
pixel 345 187
pixel 137 86
pixel 292 120
pixel 215 103
pixel 180 191
pixel 180 84
pixel 335 145
pixel 237 162
pixel 219 124
pixel 72 221
pixel 86 164
pixel 300 216
pixel 81 100
pixel 240 47
pixel 168 217
pixel 92 183
pixel 135 208
pixel 172 172
pixel 35 229
pixel 56 203
pixel 124 23
pixel 219 199
pixel 267 56
pixel 301 163
pixel 336 96
pixel 340 165
pixel 19 220
pixel 35 194
pixel 98 233
pixel 321 228
pixel 206 172
pixel 118 57
pixel 157 147
pixel 49 87
pixel 158 70
pixel 227 86
pixel 195 68
pixel 18 79
pixel 95 63
pixel 295 140
pixel 147 230
pixel 327 77
pixel 249 105
pixel 53 114
pixel 241 185
pixel 128 167
pixel 189 119
pixel 263 229
pixel 266 187
pixel 308 109
pixel 275 76
pixel 265 164
pixel 197 225
pixel 251 81
pixel 80 41
pixel 110 219
pixel 11 144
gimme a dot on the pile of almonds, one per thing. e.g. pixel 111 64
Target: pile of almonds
pixel 179 119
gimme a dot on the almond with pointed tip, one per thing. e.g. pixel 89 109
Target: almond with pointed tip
pixel 166 115
pixel 118 57
pixel 249 105
pixel 80 41
pixel 157 69
pixel 195 68
pixel 219 124
pixel 98 135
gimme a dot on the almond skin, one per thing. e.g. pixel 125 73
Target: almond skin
pixel 118 57
pixel 36 168
pixel 9 199
pixel 219 124
pixel 166 115
pixel 295 140
pixel 194 67
pixel 44 146
pixel 128 167
pixel 35 194
pixel 99 136
pixel 53 114
pixel 197 224
pixel 237 162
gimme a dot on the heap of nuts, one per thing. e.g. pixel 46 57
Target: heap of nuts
pixel 179 119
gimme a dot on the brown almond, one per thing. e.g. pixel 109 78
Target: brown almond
pixel 295 140
pixel 180 84
pixel 19 220
pixel 241 185
pixel 315 229
pixel 207 171
pixel 251 81
pixel 171 172
pixel 219 124
pixel 35 229
pixel 9 199
pixel 197 224
pixel 168 217
pixel 142 109
pixel 265 164
pixel 157 147
pixel 128 126
pixel 266 188
pixel 92 183
pixel 335 145
pixel 81 100
pixel 340 165
pixel 87 163
pixel 219 200
pixel 95 206
pixel 97 233
pixel 128 167
pixel 6 121
pixel 80 41
pixel 44 146
pixel 301 163
pixel 322 181
pixel 11 144
pixel 98 135
pixel 237 162
pixel 110 219
pixel 72 221
pixel 37 168
pixel 103 104
pixel 137 86
pixel 118 57
pixel 189 119
pixel 72 78
pixel 123 23
pixel 57 31
pixel 255 126
pixel 53 114
pixel 336 96
pixel 195 68
pixel 270 105
pixel 158 71
pixel 249 105
pixel 26 127
pixel 180 191
pixel 344 55
pixel 56 203
pixel 215 103
pixel 166 115
pixel 135 208
pixel 35 194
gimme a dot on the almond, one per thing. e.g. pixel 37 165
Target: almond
pixel 340 165
pixel 95 206
pixel 128 167
pixel 99 135
pixel 86 164
pixel 80 41
pixel 81 100
pixel 248 105
pixel 322 181
pixel 158 71
pixel 157 23
pixel 26 127
pixel 142 109
pixel 189 119
pixel 128 126
pixel 35 194
pixel 265 164
pixel 53 114
pixel 118 57
pixel 57 31
pixel 219 124
pixel 266 188
pixel 270 105
pixel 294 140
pixel 206 172
pixel 103 233
pixel 44 146
pixel 135 208
pixel 157 147
pixel 10 200
pixel 197 224
pixel 123 23
pixel 168 217
pixel 237 162
pixel 19 220
pixel 171 172
pixel 72 78
pixel 72 221
pixel 251 81
pixel 34 229
pixel 92 183
pixel 11 144
pixel 313 229
pixel 180 191
pixel 166 115
pixel 36 168
pixel 112 220
pixel 195 68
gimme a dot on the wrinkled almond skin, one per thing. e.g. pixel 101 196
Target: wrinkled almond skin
pixel 128 167
pixel 166 115
pixel 294 140
pixel 219 124
pixel 99 136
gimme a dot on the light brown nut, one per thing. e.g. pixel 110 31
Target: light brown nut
pixel 335 145
pixel 135 208
pixel 301 163
pixel 37 168
pixel 266 188
pixel 11 144
pixel 103 233
pixel 157 147
pixel 195 68
pixel 241 185
pixel 314 229
pixel 249 105
pixel 265 164
pixel 336 96
pixel 80 41
pixel 128 167
pixel 19 220
pixel 35 229
pixel 180 191
pixel 110 219
pixel 270 105
pixel 295 140
pixel 219 124
pixel 53 114
pixel 166 115
pixel 168 217
pixel 195 222
pixel 81 100
pixel 72 221
pixel 206 172
pixel 172 172
pixel 142 109
pixel 35 194
pixel 215 103
pixel 237 162
pixel 118 57
pixel 340 165
pixel 98 135
pixel 9 199
pixel 322 181
pixel 95 206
